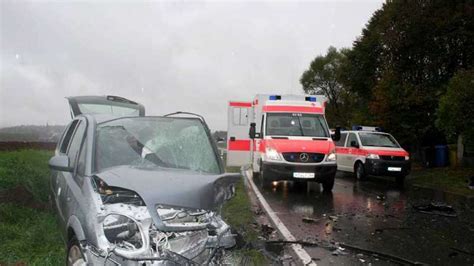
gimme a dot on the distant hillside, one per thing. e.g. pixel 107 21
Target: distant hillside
pixel 31 133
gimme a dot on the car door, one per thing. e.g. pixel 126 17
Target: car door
pixel 73 181
pixel 341 152
pixel 112 105
pixel 353 146
pixel 58 178
pixel 238 140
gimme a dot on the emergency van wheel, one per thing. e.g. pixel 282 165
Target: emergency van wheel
pixel 328 184
pixel 359 171
pixel 400 180
pixel 264 181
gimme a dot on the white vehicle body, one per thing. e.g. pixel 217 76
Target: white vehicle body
pixel 295 145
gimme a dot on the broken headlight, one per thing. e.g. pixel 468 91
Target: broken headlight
pixel 123 231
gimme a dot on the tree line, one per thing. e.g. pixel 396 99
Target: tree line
pixel 410 72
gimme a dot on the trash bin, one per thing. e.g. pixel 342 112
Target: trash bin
pixel 441 155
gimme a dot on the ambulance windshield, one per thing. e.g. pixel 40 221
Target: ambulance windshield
pixel 296 124
pixel 378 140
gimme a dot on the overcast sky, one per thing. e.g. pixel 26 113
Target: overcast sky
pixel 169 56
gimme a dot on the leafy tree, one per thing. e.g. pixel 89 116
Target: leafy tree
pixel 400 66
pixel 455 112
pixel 324 77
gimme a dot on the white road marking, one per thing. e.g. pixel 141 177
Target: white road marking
pixel 303 256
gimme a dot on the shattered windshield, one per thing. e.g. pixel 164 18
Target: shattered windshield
pixel 296 124
pixel 378 140
pixel 155 142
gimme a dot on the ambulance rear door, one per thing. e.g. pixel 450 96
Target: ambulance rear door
pixel 239 117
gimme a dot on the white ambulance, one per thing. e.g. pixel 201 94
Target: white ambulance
pixel 369 151
pixel 282 137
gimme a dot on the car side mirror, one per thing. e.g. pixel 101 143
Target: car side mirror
pixel 337 134
pixel 252 131
pixel 354 144
pixel 219 139
pixel 60 163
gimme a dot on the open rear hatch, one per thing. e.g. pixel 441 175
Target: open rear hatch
pixel 111 105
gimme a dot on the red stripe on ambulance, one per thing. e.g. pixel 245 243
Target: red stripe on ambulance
pixel 240 104
pixel 239 145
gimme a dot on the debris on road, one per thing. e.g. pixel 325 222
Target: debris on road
pixel 437 209
pixel 339 251
pixel 310 220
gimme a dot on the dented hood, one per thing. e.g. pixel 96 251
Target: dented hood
pixel 172 187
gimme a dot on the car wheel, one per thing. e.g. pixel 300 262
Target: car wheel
pixel 75 257
pixel 328 184
pixel 359 171
pixel 400 180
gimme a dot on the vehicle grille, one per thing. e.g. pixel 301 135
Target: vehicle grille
pixel 295 157
pixel 392 158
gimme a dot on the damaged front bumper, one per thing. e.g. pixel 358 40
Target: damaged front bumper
pixel 128 237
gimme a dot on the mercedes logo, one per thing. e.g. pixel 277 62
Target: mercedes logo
pixel 304 157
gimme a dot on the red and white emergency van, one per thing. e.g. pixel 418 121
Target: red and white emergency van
pixel 368 151
pixel 282 137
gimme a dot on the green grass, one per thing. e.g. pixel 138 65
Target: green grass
pixel 452 180
pixel 27 235
pixel 238 214
pixel 28 168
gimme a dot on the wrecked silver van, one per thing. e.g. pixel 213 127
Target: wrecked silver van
pixel 132 189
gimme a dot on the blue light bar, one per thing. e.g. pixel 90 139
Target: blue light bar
pixel 310 99
pixel 274 97
pixel 356 127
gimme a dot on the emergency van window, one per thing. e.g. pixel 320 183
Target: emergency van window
pixel 378 140
pixel 150 142
pixel 296 124
pixel 352 137
pixel 342 140
pixel 240 116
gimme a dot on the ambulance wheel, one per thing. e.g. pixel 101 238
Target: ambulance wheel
pixel 264 180
pixel 328 184
pixel 359 171
pixel 400 180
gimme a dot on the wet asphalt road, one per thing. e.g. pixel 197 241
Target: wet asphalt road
pixel 375 215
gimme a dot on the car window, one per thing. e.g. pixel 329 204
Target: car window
pixel 67 137
pixel 81 162
pixel 342 140
pixel 76 143
pixel 352 137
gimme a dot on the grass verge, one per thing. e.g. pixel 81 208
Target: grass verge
pixel 453 180
pixel 238 214
pixel 27 235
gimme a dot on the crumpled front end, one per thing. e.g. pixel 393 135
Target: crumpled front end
pixel 129 237
pixel 128 233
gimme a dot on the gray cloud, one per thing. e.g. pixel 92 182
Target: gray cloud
pixel 167 55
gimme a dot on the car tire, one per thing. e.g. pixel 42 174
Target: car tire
pixel 74 256
pixel 328 184
pixel 359 171
pixel 400 180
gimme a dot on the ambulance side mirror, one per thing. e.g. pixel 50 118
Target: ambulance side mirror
pixel 354 144
pixel 337 134
pixel 252 131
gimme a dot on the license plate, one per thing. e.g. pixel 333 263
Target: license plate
pixel 394 169
pixel 303 175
